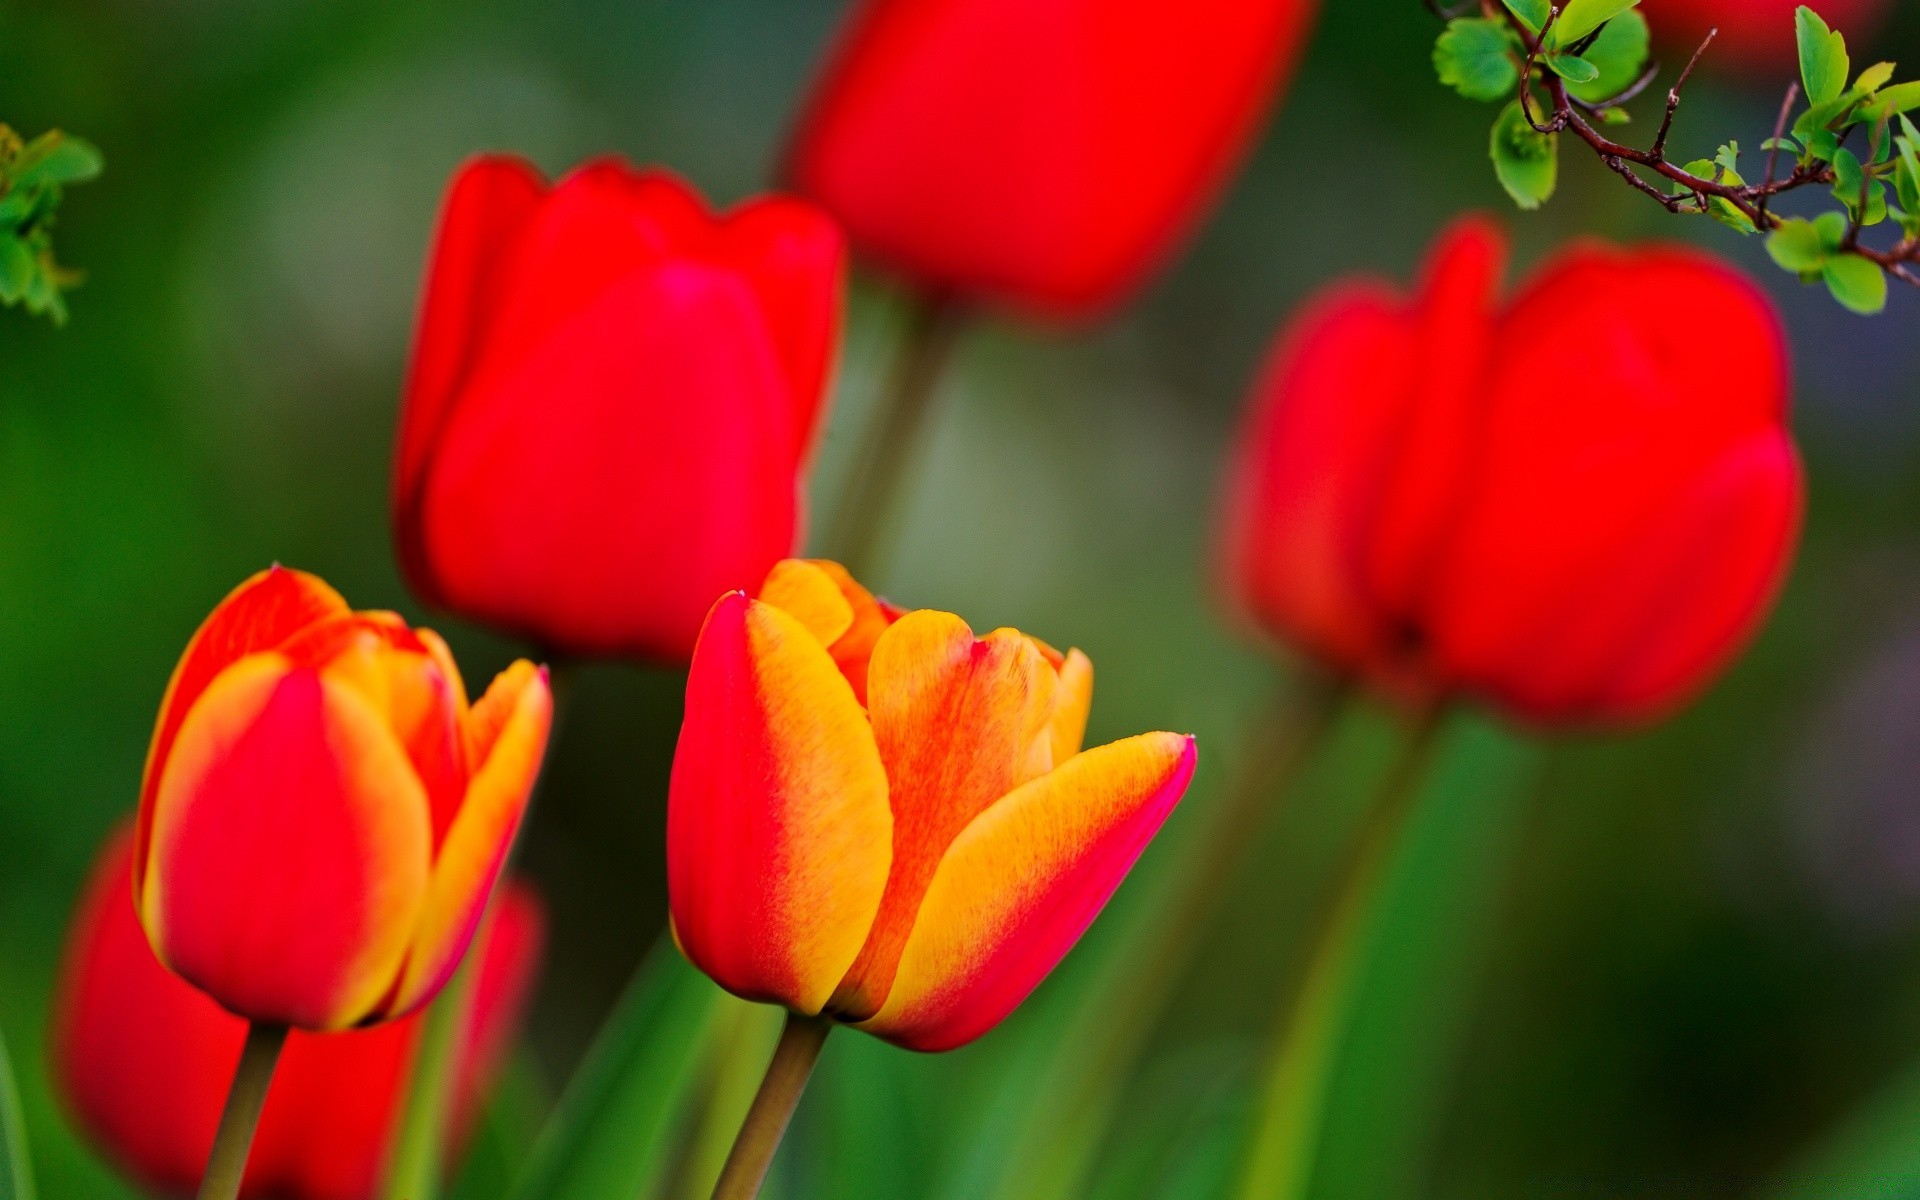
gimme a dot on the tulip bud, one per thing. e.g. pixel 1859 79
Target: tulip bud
pixel 144 1060
pixel 1042 153
pixel 324 814
pixel 878 816
pixel 1755 36
pixel 1579 503
pixel 613 395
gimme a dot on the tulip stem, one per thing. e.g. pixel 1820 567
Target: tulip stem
pixel 247 1096
pixel 413 1166
pixel 773 1106
pixel 1286 1138
pixel 894 436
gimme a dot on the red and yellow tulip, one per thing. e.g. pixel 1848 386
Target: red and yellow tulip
pixel 324 814
pixel 877 816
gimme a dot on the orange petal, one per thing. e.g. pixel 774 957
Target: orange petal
pixel 810 596
pixel 1022 883
pixel 778 830
pixel 289 848
pixel 261 613
pixel 518 713
pixel 1073 701
pixel 958 720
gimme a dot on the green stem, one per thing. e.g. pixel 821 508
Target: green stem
pixel 773 1106
pixel 414 1163
pixel 861 523
pixel 1125 1003
pixel 1280 1164
pixel 245 1098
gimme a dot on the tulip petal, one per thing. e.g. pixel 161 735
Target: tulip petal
pixel 289 848
pixel 490 199
pixel 517 713
pixel 959 722
pixel 795 258
pixel 810 596
pixel 1022 883
pixel 265 611
pixel 778 830
pixel 1072 705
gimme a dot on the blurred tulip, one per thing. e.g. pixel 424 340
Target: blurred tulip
pixel 1046 153
pixel 1579 505
pixel 324 815
pixel 144 1059
pixel 612 397
pixel 880 817
pixel 1754 34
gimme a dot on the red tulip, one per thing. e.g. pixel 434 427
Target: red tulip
pixel 1755 35
pixel 613 395
pixel 1047 153
pixel 144 1059
pixel 1579 503
pixel 324 814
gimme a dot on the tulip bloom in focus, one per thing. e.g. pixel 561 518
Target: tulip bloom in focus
pixel 324 814
pixel 1046 153
pixel 613 395
pixel 1578 503
pixel 877 816
pixel 1754 34
pixel 144 1059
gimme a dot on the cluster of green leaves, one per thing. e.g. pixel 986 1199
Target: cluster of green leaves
pixel 1599 48
pixel 33 175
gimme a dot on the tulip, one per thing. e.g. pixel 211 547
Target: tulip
pixel 324 814
pixel 1043 153
pixel 1755 35
pixel 143 1059
pixel 1578 504
pixel 614 393
pixel 878 818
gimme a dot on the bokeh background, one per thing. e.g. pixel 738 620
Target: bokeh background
pixel 1685 962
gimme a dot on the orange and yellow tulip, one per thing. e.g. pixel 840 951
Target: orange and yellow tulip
pixel 324 814
pixel 877 816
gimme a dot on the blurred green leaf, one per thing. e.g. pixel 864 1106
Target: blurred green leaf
pixel 1474 57
pixel 17 269
pixel 1797 246
pixel 611 1137
pixel 1857 283
pixel 1901 97
pixel 1872 1154
pixel 1873 78
pixel 1824 65
pixel 16 1164
pixel 1532 13
pixel 1581 17
pixel 1526 160
pixel 1619 54
pixel 56 158
pixel 744 1038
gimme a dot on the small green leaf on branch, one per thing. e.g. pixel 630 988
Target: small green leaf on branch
pixel 1824 64
pixel 1857 283
pixel 1532 13
pixel 1620 53
pixel 1475 57
pixel 1526 160
pixel 1581 17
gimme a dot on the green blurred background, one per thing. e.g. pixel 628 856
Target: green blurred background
pixel 1682 963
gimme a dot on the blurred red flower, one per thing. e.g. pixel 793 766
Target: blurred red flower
pixel 613 394
pixel 1046 153
pixel 144 1058
pixel 1755 33
pixel 1578 504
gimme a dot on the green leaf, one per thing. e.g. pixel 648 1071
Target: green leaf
pixel 1729 158
pixel 1824 65
pixel 1573 68
pixel 1832 227
pixel 1873 79
pixel 1856 283
pixel 1620 54
pixel 1798 247
pixel 1532 13
pixel 1526 161
pixel 56 158
pixel 1581 17
pixel 1475 58
pixel 612 1136
pixel 1901 97
pixel 17 268
pixel 16 1165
